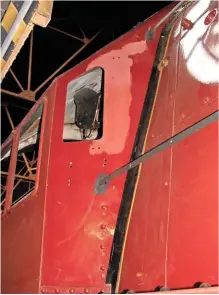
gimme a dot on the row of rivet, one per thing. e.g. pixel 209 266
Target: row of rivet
pixel 102 246
pixel 70 291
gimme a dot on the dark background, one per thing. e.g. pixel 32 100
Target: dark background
pixel 51 48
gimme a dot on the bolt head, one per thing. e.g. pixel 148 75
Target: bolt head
pixel 206 100
pixel 102 247
pixel 103 226
pixel 103 207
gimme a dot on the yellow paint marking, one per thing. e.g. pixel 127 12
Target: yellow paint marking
pixel 3 62
pixel 9 17
pixel 19 32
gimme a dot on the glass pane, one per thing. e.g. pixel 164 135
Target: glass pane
pixel 84 107
pixel 27 156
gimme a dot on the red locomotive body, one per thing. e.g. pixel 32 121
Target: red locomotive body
pixel 154 225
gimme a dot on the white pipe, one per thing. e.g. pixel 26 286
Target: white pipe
pixel 24 9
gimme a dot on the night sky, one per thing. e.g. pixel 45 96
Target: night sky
pixel 52 48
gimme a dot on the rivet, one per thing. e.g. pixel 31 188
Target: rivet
pixel 183 116
pixel 103 275
pixel 103 226
pixel 102 268
pixel 166 183
pixel 69 182
pixel 102 247
pixel 56 290
pixel 70 164
pixel 206 100
pixel 44 291
pixel 104 207
pixel 71 291
pixel 86 291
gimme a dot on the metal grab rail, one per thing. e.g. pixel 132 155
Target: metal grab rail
pixel 103 180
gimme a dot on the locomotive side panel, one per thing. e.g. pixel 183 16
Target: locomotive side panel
pixel 80 225
pixel 192 246
pixel 174 223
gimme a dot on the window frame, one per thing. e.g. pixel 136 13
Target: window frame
pixel 13 140
pixel 102 93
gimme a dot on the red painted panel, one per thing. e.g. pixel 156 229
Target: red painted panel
pixel 21 247
pixel 193 222
pixel 144 257
pixel 75 218
pixel 22 228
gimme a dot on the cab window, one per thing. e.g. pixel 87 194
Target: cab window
pixel 27 157
pixel 83 118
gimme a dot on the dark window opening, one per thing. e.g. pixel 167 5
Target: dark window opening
pixel 27 157
pixel 84 107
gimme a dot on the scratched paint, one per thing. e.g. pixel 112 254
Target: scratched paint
pixel 93 230
pixel 118 85
pixel 200 45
